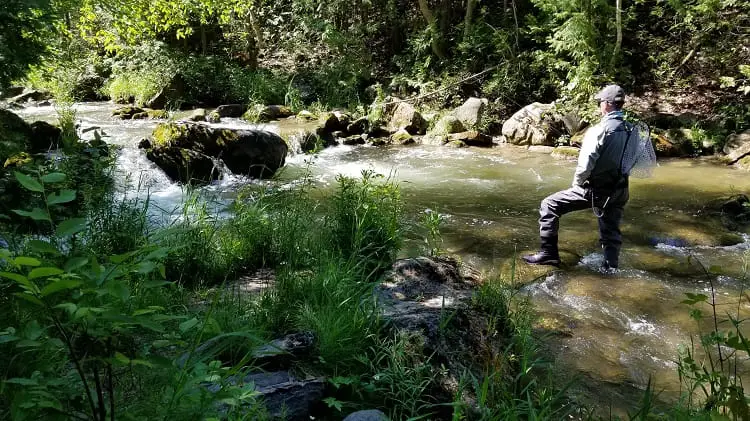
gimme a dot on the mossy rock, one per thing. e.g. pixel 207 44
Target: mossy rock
pixel 18 160
pixel 566 152
pixel 16 135
pixel 214 117
pixel 449 124
pixel 457 144
pixel 158 114
pixel 743 163
pixel 402 137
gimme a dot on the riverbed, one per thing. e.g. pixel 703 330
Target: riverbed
pixel 611 331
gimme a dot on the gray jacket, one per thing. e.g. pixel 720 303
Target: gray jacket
pixel 601 153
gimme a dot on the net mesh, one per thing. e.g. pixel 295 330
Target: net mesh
pixel 639 159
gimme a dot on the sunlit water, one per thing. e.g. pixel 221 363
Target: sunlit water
pixel 612 330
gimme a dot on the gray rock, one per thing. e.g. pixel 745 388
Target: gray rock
pixel 280 353
pixel 434 139
pixel 405 116
pixel 198 114
pixel 358 126
pixel 367 415
pixel 284 395
pixel 306 115
pixel 471 112
pixel 230 110
pixel 128 112
pixel 173 92
pixel 737 146
pixel 31 95
pixel 532 125
pixel 255 153
pixel 471 138
pixel 448 124
pixel 402 137
pixel 11 91
pixel 354 140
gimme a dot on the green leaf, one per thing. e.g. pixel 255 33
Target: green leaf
pixel 22 382
pixel 70 308
pixel 63 196
pixel 71 226
pixel 36 214
pixel 28 183
pixel 55 177
pixel 26 261
pixel 30 298
pixel 44 272
pixel 161 343
pixel 61 285
pixel 75 263
pixel 43 247
pixel 121 358
pixel 188 324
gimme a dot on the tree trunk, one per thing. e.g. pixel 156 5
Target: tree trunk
pixel 618 42
pixel 260 43
pixel 204 41
pixel 432 23
pixel 470 5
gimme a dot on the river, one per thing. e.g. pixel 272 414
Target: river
pixel 612 332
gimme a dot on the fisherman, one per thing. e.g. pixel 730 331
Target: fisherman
pixel 599 183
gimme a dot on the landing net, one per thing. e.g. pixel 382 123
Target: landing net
pixel 639 157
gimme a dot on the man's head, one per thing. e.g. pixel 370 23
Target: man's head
pixel 611 98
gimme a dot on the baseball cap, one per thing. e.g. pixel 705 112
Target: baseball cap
pixel 611 93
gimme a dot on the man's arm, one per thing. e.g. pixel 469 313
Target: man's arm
pixel 592 141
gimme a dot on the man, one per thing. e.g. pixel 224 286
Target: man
pixel 599 183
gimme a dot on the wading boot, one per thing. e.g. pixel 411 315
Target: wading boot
pixel 611 257
pixel 548 255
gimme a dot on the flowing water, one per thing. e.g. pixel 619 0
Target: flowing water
pixel 612 331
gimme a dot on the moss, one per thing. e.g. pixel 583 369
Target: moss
pixel 18 160
pixel 730 239
pixel 166 134
pixel 225 137
pixel 744 163
pixel 158 114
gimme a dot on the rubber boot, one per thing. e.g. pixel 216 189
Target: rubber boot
pixel 611 257
pixel 548 255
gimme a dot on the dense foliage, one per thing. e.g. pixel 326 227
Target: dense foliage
pixel 301 52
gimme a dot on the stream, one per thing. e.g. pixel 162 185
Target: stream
pixel 610 331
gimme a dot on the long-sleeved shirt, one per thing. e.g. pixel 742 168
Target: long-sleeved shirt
pixel 601 152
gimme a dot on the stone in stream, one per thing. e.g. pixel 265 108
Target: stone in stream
pixel 471 112
pixel 44 136
pixel 737 146
pixel 198 114
pixel 448 124
pixel 230 110
pixel 405 116
pixel 30 95
pixel 402 137
pixel 358 126
pixel 183 151
pixel 11 91
pixel 471 138
pixel 127 112
pixel 532 125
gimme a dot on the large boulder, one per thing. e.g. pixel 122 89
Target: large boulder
pixel 44 136
pixel 184 165
pixel 737 146
pixel 471 112
pixel 15 135
pixel 471 138
pixel 11 91
pixel 170 95
pixel 448 124
pixel 231 110
pixel 532 125
pixel 88 87
pixel 255 153
pixel 405 116
pixel 30 95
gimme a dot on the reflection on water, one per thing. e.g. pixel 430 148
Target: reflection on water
pixel 616 330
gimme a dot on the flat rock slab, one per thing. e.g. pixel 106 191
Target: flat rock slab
pixel 284 395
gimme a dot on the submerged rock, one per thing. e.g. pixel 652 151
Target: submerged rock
pixel 255 153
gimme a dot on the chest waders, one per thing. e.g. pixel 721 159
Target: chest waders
pixel 622 177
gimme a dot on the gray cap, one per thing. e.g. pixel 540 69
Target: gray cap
pixel 611 93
